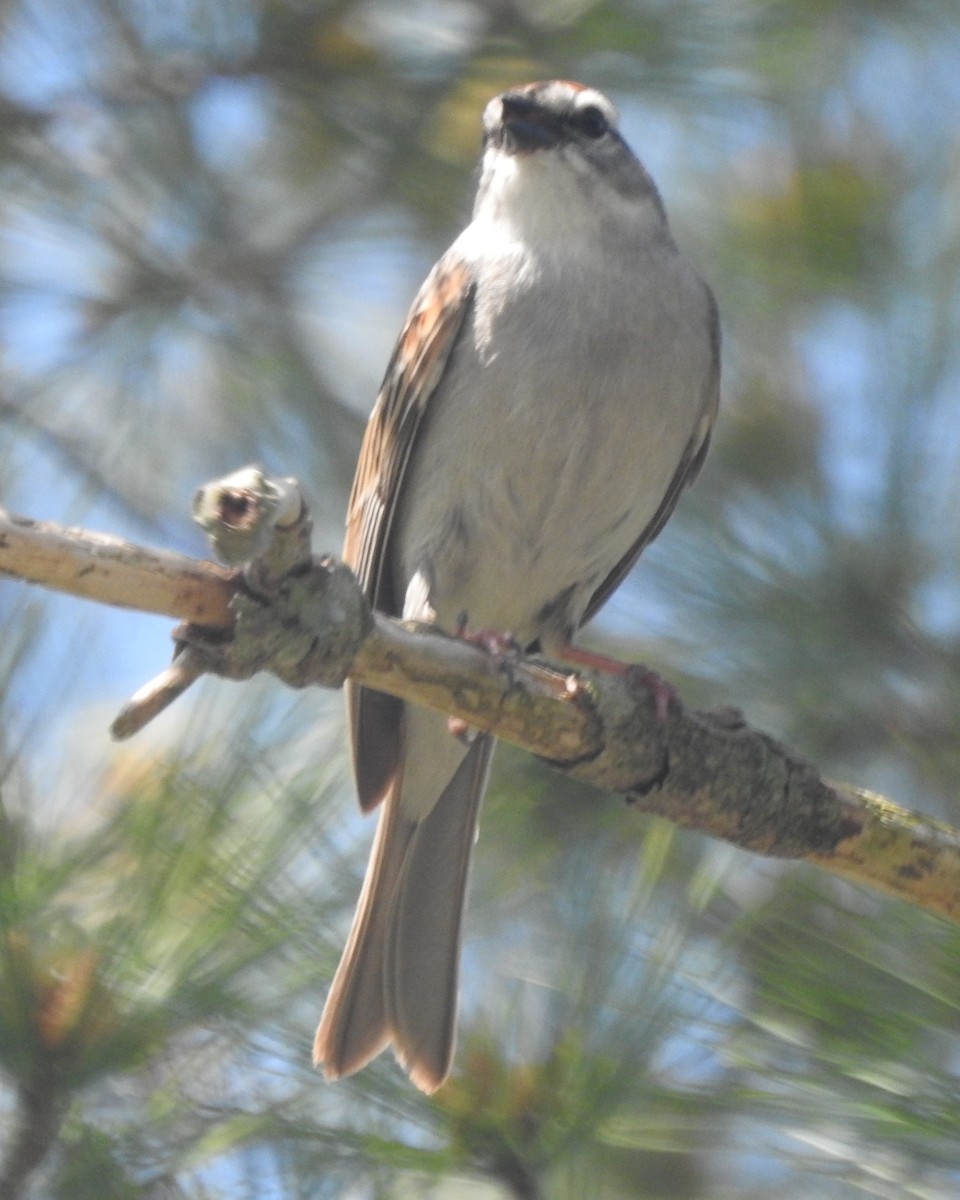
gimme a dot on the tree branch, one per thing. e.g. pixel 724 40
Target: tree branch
pixel 306 620
pixel 112 571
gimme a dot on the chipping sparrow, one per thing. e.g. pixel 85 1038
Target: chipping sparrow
pixel 551 394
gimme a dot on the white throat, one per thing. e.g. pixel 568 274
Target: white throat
pixel 554 201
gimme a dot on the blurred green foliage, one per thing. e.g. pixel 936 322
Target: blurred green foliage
pixel 212 215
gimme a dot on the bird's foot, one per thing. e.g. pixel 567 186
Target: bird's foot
pixel 497 642
pixel 499 645
pixel 664 693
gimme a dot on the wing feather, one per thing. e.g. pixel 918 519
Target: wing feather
pixel 687 470
pixel 416 366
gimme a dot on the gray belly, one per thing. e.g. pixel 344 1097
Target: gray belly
pixel 550 443
pixel 531 481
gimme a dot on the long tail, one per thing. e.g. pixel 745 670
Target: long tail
pixel 397 980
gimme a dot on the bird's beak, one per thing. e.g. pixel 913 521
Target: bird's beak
pixel 523 126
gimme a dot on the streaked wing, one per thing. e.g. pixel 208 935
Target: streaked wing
pixel 417 364
pixel 415 368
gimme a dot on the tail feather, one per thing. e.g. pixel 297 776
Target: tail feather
pixel 397 980
pixel 422 965
pixel 354 1027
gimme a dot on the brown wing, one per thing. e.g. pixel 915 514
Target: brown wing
pixel 418 362
pixel 687 470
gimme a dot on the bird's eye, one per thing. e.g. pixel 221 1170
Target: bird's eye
pixel 590 121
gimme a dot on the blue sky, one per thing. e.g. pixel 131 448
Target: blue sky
pixel 351 292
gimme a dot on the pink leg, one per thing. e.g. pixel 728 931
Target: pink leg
pixel 494 641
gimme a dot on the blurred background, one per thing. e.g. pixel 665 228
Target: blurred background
pixel 213 214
